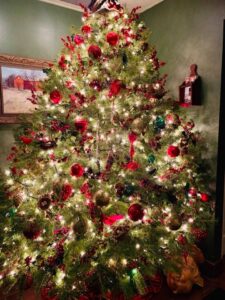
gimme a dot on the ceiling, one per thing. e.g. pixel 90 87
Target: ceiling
pixel 74 4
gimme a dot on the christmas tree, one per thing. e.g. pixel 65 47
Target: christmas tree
pixel 106 188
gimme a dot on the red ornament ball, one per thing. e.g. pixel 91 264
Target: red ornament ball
pixel 136 212
pixel 173 151
pixel 112 38
pixel 94 51
pixel 77 170
pixel 204 197
pixel 78 39
pixel 86 29
pixel 67 191
pixel 115 88
pixel 26 140
pixel 81 125
pixel 55 97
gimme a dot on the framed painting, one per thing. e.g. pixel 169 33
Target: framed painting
pixel 18 78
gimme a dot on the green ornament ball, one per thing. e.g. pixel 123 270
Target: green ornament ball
pixel 159 122
pixel 151 159
pixel 12 212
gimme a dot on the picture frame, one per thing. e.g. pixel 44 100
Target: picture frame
pixel 18 77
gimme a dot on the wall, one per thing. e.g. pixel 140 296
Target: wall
pixel 187 32
pixel 30 28
pixel 33 29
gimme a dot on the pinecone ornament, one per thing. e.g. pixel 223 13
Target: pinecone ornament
pixel 120 231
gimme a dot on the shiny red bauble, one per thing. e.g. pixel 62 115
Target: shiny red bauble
pixel 136 212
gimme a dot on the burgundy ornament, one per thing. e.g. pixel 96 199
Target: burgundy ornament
pixel 32 232
pixel 77 170
pixel 81 125
pixel 136 212
pixel 67 191
pixel 94 52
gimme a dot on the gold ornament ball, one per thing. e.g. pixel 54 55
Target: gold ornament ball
pixel 101 198
pixel 173 221
pixel 16 196
pixel 138 125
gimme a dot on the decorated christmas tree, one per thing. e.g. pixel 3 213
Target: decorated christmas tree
pixel 106 189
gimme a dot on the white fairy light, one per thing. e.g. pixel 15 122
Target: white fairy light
pixel 7 172
pixel 138 246
pixel 184 227
pixel 82 253
pixel 12 273
pixel 10 181
pixel 112 262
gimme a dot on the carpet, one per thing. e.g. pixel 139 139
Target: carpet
pixel 218 294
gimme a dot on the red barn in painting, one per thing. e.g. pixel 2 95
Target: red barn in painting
pixel 25 84
pixel 18 83
pixel 31 85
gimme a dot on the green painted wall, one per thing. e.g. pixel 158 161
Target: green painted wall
pixel 186 32
pixel 31 28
